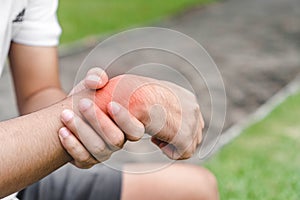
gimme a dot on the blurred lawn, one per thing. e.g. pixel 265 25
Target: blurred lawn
pixel 93 17
pixel 264 162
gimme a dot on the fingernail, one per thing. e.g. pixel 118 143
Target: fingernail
pixel 67 115
pixel 63 132
pixel 94 78
pixel 84 104
pixel 114 107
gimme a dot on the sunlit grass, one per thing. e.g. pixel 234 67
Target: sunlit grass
pixel 264 162
pixel 93 17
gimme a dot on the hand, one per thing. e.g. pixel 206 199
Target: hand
pixel 99 136
pixel 182 132
pixel 170 113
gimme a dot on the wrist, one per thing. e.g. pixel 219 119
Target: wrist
pixel 133 92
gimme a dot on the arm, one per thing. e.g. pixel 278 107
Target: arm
pixel 36 79
pixel 37 85
pixel 35 75
pixel 30 149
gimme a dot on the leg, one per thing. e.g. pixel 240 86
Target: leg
pixel 70 183
pixel 178 181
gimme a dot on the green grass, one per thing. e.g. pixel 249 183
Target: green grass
pixel 93 17
pixel 264 162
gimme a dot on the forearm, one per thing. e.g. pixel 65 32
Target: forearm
pixel 30 148
pixel 42 99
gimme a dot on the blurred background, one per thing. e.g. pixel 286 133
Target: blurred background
pixel 256 46
pixel 99 17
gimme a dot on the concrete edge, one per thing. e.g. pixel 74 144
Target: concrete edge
pixel 262 112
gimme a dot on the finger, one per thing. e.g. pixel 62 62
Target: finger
pixel 172 151
pixel 102 124
pixel 199 134
pixel 82 158
pixel 198 127
pixel 187 138
pixel 132 127
pixel 155 141
pixel 90 139
pixel 96 78
pixel 186 150
pixel 202 121
pixel 199 116
pixel 168 149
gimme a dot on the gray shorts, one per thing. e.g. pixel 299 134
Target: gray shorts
pixel 68 182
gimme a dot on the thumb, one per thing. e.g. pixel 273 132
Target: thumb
pixel 96 78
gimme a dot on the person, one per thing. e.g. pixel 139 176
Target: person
pixel 31 149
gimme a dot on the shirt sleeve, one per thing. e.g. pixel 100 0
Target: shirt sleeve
pixel 40 26
pixel 11 197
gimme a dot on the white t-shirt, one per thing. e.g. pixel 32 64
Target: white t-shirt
pixel 29 22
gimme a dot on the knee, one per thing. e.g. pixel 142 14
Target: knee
pixel 176 182
pixel 203 184
pixel 211 185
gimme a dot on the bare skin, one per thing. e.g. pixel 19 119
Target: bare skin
pixel 176 182
pixel 189 182
pixel 30 148
pixel 176 126
pixel 35 138
pixel 31 136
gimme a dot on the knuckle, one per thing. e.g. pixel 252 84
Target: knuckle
pixel 85 159
pixel 197 110
pixel 117 140
pixel 90 112
pixel 113 137
pixel 69 123
pixel 137 134
pixel 98 150
pixel 75 123
pixel 72 147
pixel 105 157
